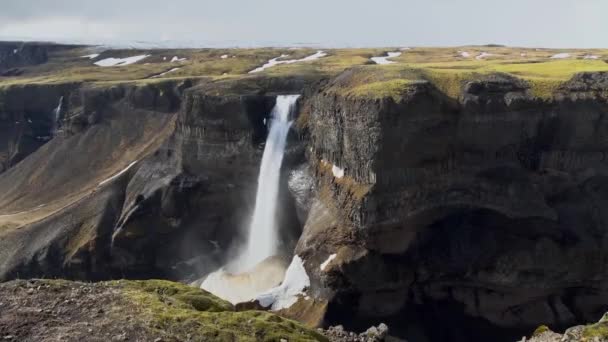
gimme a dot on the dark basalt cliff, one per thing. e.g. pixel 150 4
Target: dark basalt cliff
pixel 482 215
pixel 490 206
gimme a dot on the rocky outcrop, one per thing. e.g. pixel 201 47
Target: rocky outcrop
pixel 154 310
pixel 597 332
pixel 482 213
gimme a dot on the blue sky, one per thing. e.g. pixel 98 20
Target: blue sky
pixel 542 23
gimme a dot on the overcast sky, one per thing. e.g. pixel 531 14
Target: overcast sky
pixel 546 23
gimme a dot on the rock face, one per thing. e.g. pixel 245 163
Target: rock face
pixel 489 206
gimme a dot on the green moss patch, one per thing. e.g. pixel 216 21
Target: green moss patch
pixel 183 311
pixel 541 330
pixel 598 330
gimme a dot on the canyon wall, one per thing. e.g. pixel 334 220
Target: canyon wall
pixel 488 206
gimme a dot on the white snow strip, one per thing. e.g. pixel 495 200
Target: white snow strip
pixel 110 62
pixel 224 56
pixel 324 265
pixel 561 56
pixel 337 171
pixel 464 54
pixel 483 55
pixel 523 54
pixel 592 57
pixel 285 295
pixel 91 56
pixel 384 59
pixel 118 174
pixel 276 61
pixel 405 49
pixel 177 59
pixel 166 72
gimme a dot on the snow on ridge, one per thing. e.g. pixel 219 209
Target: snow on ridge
pixel 110 62
pixel 276 61
pixel 285 295
pixel 91 56
pixel 384 59
pixel 118 174
pixel 177 59
pixel 562 55
pixel 326 263
pixel 483 55
pixel 164 73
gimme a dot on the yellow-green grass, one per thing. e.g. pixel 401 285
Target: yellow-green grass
pixel 544 77
pixel 444 67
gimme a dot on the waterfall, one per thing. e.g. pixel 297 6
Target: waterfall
pixel 263 240
pixel 255 270
pixel 57 114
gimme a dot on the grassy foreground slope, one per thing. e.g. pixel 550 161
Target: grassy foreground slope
pixel 152 310
pixel 447 68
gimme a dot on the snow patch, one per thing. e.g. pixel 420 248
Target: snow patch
pixel 591 57
pixel 164 73
pixel 337 171
pixel 224 56
pixel 285 295
pixel 118 174
pixel 464 54
pixel 110 62
pixel 91 56
pixel 384 59
pixel 177 59
pixel 561 56
pixel 405 49
pixel 483 55
pixel 276 61
pixel 324 265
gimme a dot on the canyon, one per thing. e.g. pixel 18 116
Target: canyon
pixel 451 199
